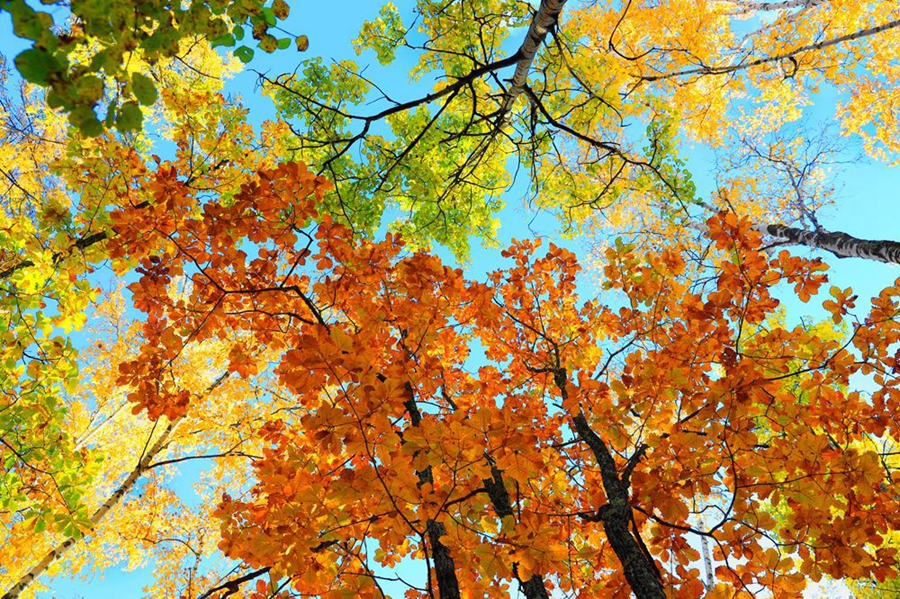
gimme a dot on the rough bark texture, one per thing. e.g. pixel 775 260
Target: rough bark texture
pixel 444 566
pixel 839 244
pixel 616 515
pixel 543 20
pixel 533 588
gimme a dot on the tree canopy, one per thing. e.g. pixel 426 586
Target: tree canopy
pixel 672 398
pixel 92 59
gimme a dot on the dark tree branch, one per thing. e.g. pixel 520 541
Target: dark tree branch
pixel 444 566
pixel 80 244
pixel 234 585
pixel 616 515
pixel 778 57
pixel 534 587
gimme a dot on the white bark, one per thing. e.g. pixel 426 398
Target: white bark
pixel 746 7
pixel 707 562
pixel 62 548
pixel 544 19
pixel 839 244
pixel 723 70
pixel 123 489
pixel 89 434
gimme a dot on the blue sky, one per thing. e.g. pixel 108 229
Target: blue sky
pixel 868 201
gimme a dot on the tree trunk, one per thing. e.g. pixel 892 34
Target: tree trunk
pixel 543 20
pixel 533 588
pixel 723 70
pixel 444 566
pixel 113 500
pixel 616 516
pixel 839 244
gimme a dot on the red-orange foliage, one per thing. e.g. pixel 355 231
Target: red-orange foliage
pixel 510 429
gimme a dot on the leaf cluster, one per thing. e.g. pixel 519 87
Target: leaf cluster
pixel 84 63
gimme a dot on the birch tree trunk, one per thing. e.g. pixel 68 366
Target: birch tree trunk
pixel 544 19
pixel 839 244
pixel 62 548
pixel 112 501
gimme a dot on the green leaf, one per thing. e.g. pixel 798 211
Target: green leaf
pixel 269 16
pixel 226 40
pixel 244 54
pixel 55 100
pixel 143 89
pixel 238 32
pixel 110 115
pixel 217 28
pixel 36 65
pixel 29 23
pixel 86 121
pixel 129 118
pixel 104 60
pixel 268 43
pixel 284 43
pixel 70 530
pixel 89 88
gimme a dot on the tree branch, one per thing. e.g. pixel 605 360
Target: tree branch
pixel 534 587
pixel 123 489
pixel 444 566
pixel 234 585
pixel 840 244
pixel 761 61
pixel 80 244
pixel 616 515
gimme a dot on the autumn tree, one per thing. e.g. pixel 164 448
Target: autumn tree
pixel 581 453
pixel 67 433
pixel 88 60
pixel 589 102
pixel 367 411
